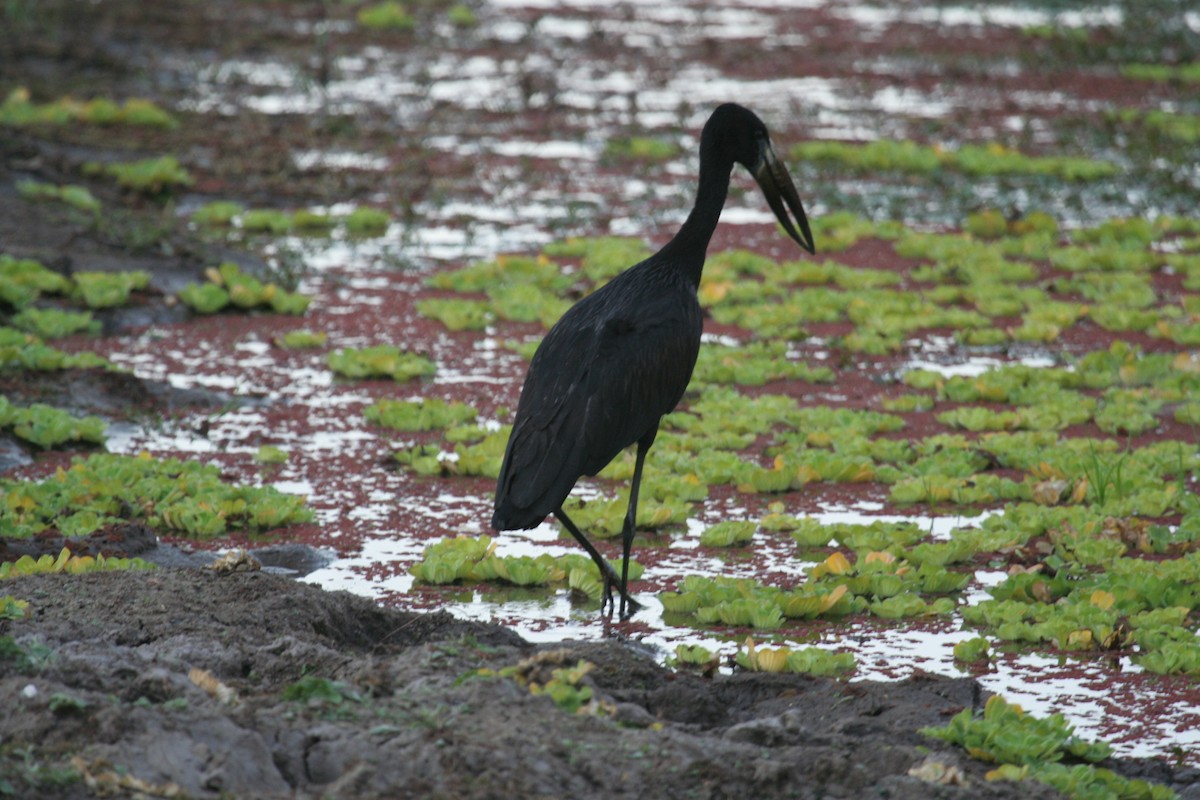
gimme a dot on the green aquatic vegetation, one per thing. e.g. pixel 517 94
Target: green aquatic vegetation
pixel 366 221
pixel 270 454
pixel 883 154
pixel 18 110
pixel 1005 734
pixel 504 271
pixel 730 533
pixel 642 148
pixel 841 230
pixel 1131 411
pixel 525 302
pixel 1117 318
pixel 604 518
pixel 108 289
pixel 693 655
pixel 19 350
pixel 171 496
pixel 989 223
pixel 303 339
pixel 985 161
pixel 68 564
pixel 266 220
pixel 386 16
pixel 1183 73
pixel 24 280
pixel 976 418
pixel 972 650
pixel 744 602
pixel 312 222
pixel 380 361
pixel 204 298
pixel 1172 658
pixel 462 16
pixel 600 257
pixel 48 427
pixel 473 560
pixel 426 414
pixel 54 323
pixel 1105 257
pixel 457 313
pixel 227 284
pixel 1025 746
pixel 810 532
pixel 78 197
pixel 754 364
pixel 806 661
pixel 910 604
pixel 995 159
pixel 218 214
pixel 1121 289
pixel 727 410
pixel 150 176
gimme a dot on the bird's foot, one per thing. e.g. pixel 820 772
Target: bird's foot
pixel 629 606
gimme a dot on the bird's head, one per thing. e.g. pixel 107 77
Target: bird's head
pixel 739 135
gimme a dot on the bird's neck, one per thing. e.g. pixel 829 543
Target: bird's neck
pixel 687 249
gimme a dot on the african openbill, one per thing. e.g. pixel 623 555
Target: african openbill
pixel 622 357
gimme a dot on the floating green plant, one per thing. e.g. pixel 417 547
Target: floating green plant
pixel 388 15
pixel 807 661
pixel 266 220
pixel 1027 746
pixel 642 148
pixel 729 533
pixel 380 361
pixel 425 414
pixel 600 257
pixel 48 427
pixel 54 323
pixel 228 285
pixel 1184 73
pixel 457 313
pixel 108 289
pixel 986 160
pixel 303 339
pixel 462 16
pixel 270 454
pixel 68 563
pixel 19 350
pixel 150 176
pixel 78 197
pixel 366 221
pixel 183 497
pixel 23 280
pixel 18 110
pixel 972 650
pixel 12 608
pixel 219 213
pixel 464 559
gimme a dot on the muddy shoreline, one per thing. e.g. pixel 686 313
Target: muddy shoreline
pixel 185 681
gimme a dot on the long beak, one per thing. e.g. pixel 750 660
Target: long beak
pixel 776 184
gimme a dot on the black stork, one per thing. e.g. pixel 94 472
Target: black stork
pixel 621 358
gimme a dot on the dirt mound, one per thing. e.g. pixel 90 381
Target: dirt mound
pixel 254 685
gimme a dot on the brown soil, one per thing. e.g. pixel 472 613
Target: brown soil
pixel 119 696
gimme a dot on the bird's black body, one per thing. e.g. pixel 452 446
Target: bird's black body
pixel 622 357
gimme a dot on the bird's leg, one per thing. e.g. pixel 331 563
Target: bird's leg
pixel 630 529
pixel 606 571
